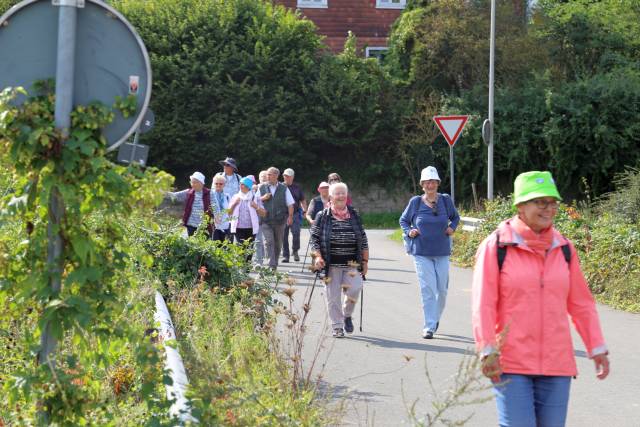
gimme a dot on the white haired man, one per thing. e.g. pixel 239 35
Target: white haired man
pixel 278 202
pixel 299 208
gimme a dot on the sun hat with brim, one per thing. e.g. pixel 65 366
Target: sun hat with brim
pixel 247 182
pixel 198 176
pixel 429 173
pixel 532 185
pixel 229 161
pixel 323 184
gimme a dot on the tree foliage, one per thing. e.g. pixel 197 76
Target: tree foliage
pixel 566 87
pixel 248 79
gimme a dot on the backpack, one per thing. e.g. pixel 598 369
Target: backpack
pixel 502 252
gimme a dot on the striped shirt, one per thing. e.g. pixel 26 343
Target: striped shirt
pixel 343 243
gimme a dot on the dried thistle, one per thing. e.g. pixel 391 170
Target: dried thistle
pixel 306 307
pixel 290 281
pixel 408 358
pixel 289 291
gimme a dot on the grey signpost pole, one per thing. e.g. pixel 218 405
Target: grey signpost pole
pixel 136 138
pixel 453 186
pixel 67 19
pixel 492 50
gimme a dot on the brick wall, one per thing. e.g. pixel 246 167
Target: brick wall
pixel 370 24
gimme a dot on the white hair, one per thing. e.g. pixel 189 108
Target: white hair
pixel 337 186
pixel 219 178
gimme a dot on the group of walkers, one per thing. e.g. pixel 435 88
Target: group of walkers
pixel 237 209
pixel 527 279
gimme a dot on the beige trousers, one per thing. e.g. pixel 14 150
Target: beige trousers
pixel 347 281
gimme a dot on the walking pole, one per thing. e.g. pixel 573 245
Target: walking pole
pixel 362 299
pixel 305 256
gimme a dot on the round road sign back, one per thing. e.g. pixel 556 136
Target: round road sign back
pixel 111 59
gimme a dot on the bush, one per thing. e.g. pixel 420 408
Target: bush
pixel 187 261
pixel 248 79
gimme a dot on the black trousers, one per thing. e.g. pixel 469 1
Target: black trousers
pixel 243 234
pixel 221 235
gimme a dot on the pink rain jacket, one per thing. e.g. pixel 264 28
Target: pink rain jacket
pixel 523 310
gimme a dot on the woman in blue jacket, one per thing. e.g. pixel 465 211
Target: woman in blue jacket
pixel 427 223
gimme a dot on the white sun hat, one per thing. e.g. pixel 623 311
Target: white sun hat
pixel 429 173
pixel 198 175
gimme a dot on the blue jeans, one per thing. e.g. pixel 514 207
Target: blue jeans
pixel 295 236
pixel 433 278
pixel 532 400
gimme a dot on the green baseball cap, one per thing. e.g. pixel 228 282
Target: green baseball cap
pixel 534 184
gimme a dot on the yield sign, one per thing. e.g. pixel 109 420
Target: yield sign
pixel 451 127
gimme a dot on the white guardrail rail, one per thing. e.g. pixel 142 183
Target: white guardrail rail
pixel 173 363
pixel 469 223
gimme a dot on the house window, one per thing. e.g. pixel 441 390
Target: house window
pixel 376 52
pixel 389 4
pixel 318 4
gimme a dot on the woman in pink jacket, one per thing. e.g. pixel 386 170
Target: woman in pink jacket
pixel 527 282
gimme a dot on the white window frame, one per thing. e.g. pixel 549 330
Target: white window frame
pixel 310 4
pixel 368 49
pixel 386 4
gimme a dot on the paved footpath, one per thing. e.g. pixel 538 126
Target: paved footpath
pixel 374 376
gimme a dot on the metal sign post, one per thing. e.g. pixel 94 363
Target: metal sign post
pixel 453 185
pixel 451 128
pixel 65 67
pixel 492 50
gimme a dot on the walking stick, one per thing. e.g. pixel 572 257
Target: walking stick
pixel 305 256
pixel 362 299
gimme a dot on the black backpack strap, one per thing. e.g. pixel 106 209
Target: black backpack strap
pixel 502 252
pixel 566 251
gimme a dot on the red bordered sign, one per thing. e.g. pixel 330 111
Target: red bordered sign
pixel 451 127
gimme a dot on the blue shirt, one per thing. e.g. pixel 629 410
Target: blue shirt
pixel 432 224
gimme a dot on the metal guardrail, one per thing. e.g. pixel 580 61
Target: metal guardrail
pixel 470 223
pixel 173 363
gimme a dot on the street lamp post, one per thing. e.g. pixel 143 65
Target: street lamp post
pixel 492 51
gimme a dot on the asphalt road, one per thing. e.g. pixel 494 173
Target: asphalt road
pixel 374 377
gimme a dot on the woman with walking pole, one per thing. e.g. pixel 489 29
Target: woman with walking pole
pixel 341 250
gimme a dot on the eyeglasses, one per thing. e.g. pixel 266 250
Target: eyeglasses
pixel 544 204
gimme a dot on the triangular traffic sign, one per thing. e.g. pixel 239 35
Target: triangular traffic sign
pixel 451 127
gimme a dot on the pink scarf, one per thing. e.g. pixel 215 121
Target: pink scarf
pixel 341 214
pixel 540 243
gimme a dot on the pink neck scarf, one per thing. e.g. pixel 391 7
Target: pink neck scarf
pixel 539 242
pixel 341 214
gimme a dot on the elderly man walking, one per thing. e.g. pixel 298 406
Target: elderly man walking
pixel 299 207
pixel 278 202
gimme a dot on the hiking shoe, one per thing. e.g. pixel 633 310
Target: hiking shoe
pixel 338 333
pixel 296 257
pixel 285 259
pixel 427 335
pixel 348 325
